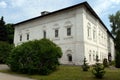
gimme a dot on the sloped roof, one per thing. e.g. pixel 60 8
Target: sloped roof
pixel 80 4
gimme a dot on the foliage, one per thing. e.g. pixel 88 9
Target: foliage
pixel 98 69
pixel 6 31
pixel 35 57
pixel 85 66
pixel 67 72
pixel 3 32
pixel 10 33
pixel 112 63
pixel 115 25
pixel 117 61
pixel 5 49
pixel 105 62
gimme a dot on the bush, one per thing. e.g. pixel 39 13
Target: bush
pixel 112 63
pixel 98 69
pixel 35 57
pixel 105 63
pixel 117 60
pixel 5 49
pixel 85 66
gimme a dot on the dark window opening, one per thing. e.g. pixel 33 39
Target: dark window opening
pixel 20 37
pixel 44 34
pixel 68 31
pixel 27 36
pixel 109 57
pixel 56 33
pixel 69 57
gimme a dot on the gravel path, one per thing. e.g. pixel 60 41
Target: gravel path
pixel 4 76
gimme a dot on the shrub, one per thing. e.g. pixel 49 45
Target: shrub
pixel 112 63
pixel 85 66
pixel 117 60
pixel 105 63
pixel 98 69
pixel 35 57
pixel 5 49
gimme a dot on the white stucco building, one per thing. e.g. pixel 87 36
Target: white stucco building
pixel 77 30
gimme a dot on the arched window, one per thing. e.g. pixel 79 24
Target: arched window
pixel 69 57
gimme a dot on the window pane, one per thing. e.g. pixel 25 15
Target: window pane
pixel 56 33
pixel 68 31
pixel 44 34
pixel 27 36
pixel 20 37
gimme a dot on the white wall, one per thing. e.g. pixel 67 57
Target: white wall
pixel 78 44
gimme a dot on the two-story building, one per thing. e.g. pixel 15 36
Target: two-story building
pixel 76 29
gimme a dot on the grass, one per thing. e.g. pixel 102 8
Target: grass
pixel 72 73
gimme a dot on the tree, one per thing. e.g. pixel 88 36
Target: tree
pixel 10 33
pixel 115 25
pixel 35 57
pixel 98 69
pixel 85 66
pixel 6 31
pixel 3 33
pixel 105 62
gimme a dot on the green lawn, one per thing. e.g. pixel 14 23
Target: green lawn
pixel 75 73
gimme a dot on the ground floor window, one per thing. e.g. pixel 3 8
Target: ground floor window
pixel 69 57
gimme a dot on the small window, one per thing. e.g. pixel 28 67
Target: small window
pixel 56 33
pixel 27 36
pixel 69 31
pixel 20 37
pixel 69 57
pixel 44 34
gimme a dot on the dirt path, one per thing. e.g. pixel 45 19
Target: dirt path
pixel 4 76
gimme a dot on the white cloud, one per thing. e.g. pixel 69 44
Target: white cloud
pixel 103 6
pixel 17 3
pixel 31 8
pixel 3 4
pixel 115 1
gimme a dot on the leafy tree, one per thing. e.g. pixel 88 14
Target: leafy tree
pixel 117 61
pixel 35 57
pixel 10 33
pixel 115 25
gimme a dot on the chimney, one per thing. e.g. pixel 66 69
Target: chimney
pixel 44 13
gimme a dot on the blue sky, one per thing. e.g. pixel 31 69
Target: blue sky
pixel 15 11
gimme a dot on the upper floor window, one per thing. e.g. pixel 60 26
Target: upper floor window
pixel 89 30
pixel 20 37
pixel 44 34
pixel 69 31
pixel 27 36
pixel 94 34
pixel 56 33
